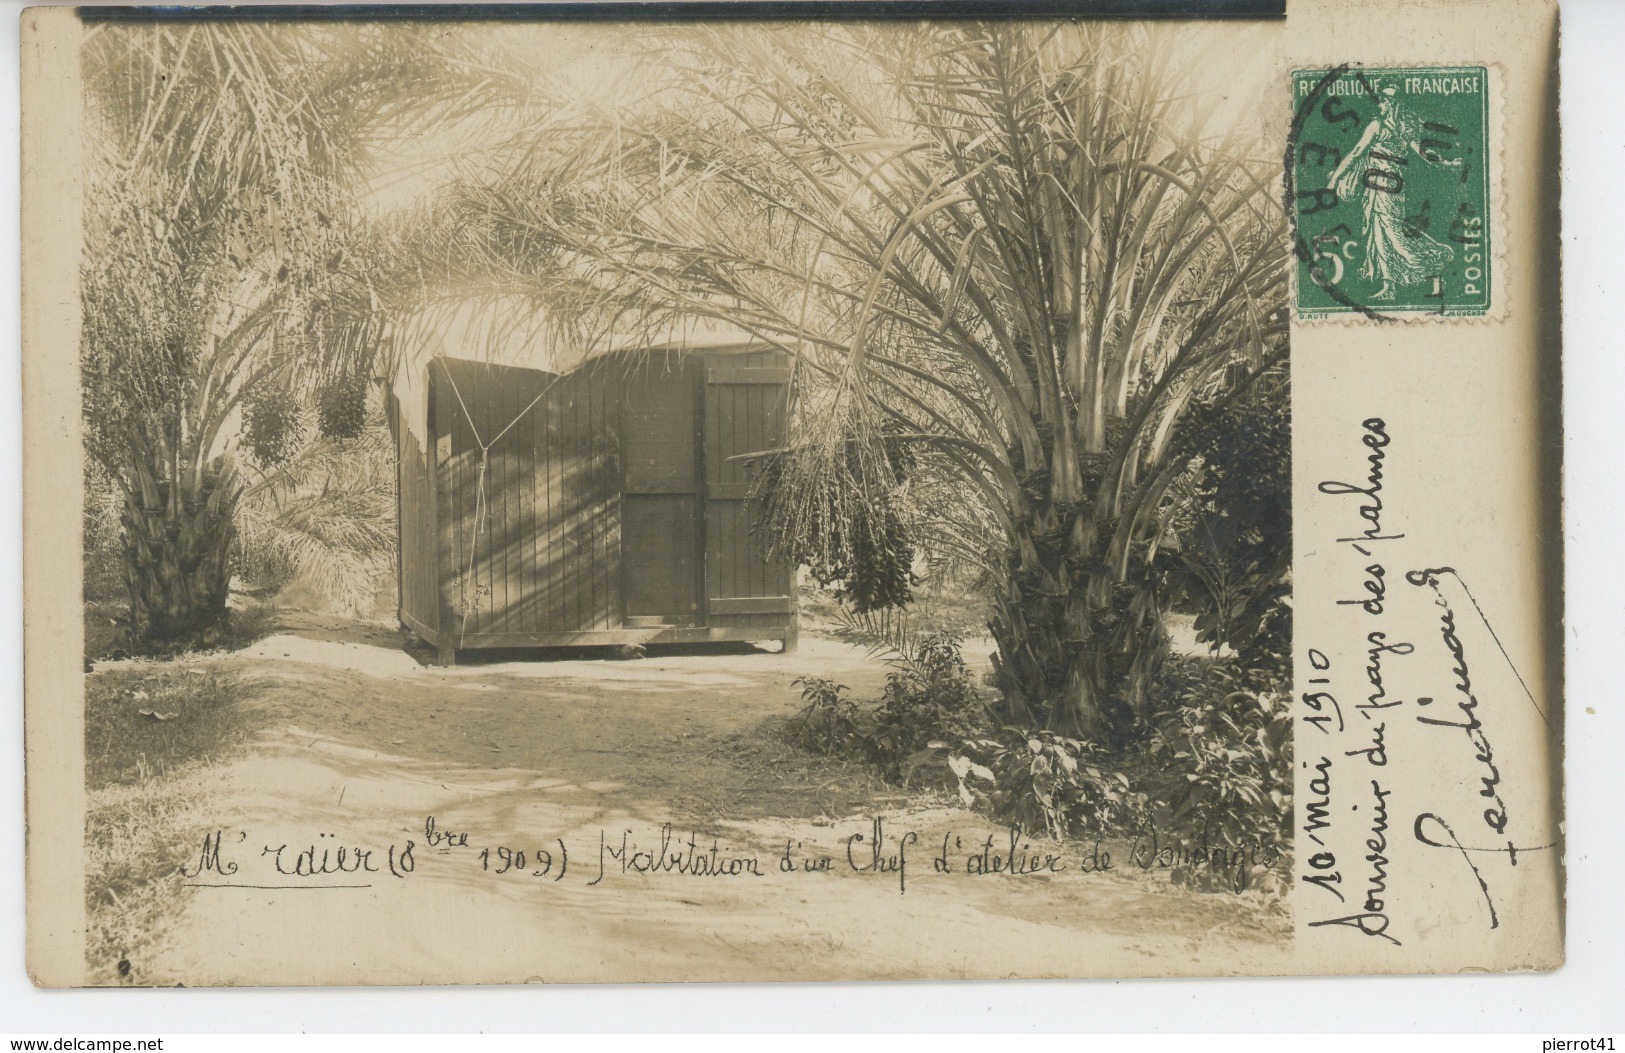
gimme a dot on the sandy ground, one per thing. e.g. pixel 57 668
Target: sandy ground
pixel 562 760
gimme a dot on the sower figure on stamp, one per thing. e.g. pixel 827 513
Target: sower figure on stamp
pixel 1397 250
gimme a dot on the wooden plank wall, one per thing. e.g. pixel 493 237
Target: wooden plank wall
pixel 544 554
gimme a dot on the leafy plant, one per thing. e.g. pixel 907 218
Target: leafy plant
pixel 1046 781
pixel 888 633
pixel 1221 760
pixel 1211 768
pixel 829 724
pixel 327 517
pixel 1213 772
pixel 1230 554
pixel 929 702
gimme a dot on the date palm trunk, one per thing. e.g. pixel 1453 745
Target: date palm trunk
pixel 177 547
pixel 1076 648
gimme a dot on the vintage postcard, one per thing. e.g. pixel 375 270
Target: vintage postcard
pixel 511 499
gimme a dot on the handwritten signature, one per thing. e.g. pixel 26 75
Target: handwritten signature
pixel 1431 829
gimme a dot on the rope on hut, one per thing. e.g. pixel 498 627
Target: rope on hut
pixel 481 504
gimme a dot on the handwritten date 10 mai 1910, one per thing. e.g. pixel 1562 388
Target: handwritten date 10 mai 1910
pixel 1367 739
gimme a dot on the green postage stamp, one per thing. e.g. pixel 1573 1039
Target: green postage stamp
pixel 1388 191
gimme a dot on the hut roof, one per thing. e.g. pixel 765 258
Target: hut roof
pixel 512 331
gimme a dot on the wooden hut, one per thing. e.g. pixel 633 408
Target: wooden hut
pixel 550 499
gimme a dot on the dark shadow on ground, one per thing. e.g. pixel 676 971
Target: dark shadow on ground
pixel 108 638
pixel 498 655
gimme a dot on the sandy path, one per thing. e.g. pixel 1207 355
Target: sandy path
pixel 365 744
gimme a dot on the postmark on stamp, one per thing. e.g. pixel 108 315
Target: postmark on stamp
pixel 1388 191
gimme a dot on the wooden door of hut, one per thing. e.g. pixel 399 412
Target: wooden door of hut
pixel 744 403
pixel 662 547
pixel 603 506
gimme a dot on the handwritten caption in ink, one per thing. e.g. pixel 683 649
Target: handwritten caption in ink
pixel 881 848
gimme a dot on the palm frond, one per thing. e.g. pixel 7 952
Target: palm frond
pixel 327 516
pixel 887 634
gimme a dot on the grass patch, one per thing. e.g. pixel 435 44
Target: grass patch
pixel 152 719
pixel 151 731
pixel 137 837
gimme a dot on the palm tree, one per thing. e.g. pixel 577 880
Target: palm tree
pixel 1012 249
pixel 227 265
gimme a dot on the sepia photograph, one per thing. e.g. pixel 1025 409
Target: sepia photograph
pixel 661 494
pixel 514 498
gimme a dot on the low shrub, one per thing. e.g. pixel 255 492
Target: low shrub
pixel 1211 770
pixel 1046 781
pixel 930 702
pixel 1221 760
pixel 829 724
